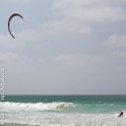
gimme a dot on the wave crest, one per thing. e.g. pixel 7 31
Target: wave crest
pixel 11 106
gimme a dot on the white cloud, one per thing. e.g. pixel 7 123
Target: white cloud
pixel 19 1
pixel 71 16
pixel 7 57
pixel 91 2
pixel 57 27
pixel 78 16
pixel 117 40
pixel 93 10
pixel 120 54
pixel 22 38
pixel 71 59
pixel 71 66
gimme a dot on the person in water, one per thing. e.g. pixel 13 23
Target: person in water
pixel 121 114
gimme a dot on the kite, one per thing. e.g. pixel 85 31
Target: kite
pixel 9 20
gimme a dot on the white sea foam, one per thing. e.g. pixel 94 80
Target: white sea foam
pixel 66 120
pixel 12 106
pixel 40 114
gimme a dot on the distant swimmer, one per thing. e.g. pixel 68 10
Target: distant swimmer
pixel 60 106
pixel 121 114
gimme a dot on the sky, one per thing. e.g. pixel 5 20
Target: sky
pixel 64 46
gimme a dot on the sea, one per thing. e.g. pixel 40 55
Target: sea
pixel 63 110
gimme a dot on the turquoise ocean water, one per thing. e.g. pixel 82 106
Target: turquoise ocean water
pixel 98 110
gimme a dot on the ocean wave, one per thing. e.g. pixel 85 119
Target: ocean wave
pixel 14 106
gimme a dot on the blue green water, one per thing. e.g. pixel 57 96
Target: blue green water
pixel 63 110
pixel 83 104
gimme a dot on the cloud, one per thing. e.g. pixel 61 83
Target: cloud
pixel 120 55
pixel 117 40
pixel 19 1
pixel 116 44
pixel 71 59
pixel 7 57
pixel 53 28
pixel 71 16
pixel 57 27
pixel 22 38
pixel 92 11
pixel 39 63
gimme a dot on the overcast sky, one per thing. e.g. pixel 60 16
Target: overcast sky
pixel 64 46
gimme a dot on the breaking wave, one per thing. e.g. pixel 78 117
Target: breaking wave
pixel 40 114
pixel 14 106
